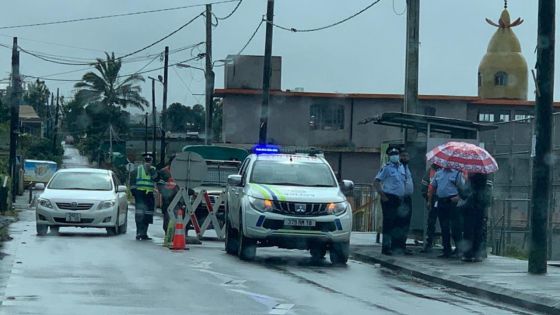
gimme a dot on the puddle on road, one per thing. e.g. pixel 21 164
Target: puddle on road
pixel 23 298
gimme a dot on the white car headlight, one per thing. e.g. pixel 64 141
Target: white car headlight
pixel 337 208
pixel 263 205
pixel 106 204
pixel 45 203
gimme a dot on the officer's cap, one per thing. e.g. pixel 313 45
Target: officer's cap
pixel 392 151
pixel 148 157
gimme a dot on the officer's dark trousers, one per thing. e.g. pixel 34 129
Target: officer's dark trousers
pixel 450 223
pixel 389 208
pixel 144 211
pixel 431 225
pixel 475 221
pixel 402 224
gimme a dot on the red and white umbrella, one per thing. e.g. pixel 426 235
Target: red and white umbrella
pixel 463 157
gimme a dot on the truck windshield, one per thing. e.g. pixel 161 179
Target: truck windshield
pixel 292 174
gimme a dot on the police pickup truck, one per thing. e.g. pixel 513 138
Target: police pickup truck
pixel 288 200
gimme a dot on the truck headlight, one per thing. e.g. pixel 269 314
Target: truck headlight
pixel 106 204
pixel 263 205
pixel 45 203
pixel 337 208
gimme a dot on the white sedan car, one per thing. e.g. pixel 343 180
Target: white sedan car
pixel 83 197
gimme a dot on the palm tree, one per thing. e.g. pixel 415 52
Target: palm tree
pixel 107 88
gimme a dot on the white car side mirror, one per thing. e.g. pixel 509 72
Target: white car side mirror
pixel 39 186
pixel 121 188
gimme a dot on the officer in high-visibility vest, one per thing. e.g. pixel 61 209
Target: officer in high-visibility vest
pixel 143 188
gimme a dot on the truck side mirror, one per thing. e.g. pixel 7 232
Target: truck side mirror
pixel 234 180
pixel 347 186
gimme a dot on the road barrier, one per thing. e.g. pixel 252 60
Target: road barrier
pixel 189 206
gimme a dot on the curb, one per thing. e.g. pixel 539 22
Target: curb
pixel 493 292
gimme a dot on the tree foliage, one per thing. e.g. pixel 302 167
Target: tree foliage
pixel 37 95
pixel 106 87
pixel 183 118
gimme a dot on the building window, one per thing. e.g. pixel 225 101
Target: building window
pixel 522 116
pixel 501 78
pixel 485 117
pixel 326 117
pixel 504 118
pixel 479 79
pixel 430 111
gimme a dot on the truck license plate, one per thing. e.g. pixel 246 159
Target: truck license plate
pixel 73 217
pixel 299 222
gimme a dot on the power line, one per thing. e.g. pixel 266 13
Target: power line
pixel 120 76
pixel 187 86
pixel 252 36
pixel 295 30
pixel 163 38
pixel 231 13
pixel 111 16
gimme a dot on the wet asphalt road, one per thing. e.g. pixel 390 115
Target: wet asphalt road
pixel 83 271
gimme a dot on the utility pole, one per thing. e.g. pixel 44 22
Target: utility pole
pixel 410 104
pixel 267 73
pixel 541 187
pixel 14 122
pixel 146 134
pixel 154 121
pixel 111 145
pixel 164 106
pixel 56 120
pixel 209 75
pixel 49 122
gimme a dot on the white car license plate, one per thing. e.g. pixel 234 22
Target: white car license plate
pixel 73 217
pixel 299 222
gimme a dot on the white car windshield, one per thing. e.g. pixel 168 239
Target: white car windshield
pixel 292 174
pixel 81 181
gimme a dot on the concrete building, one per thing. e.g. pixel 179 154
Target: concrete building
pixel 30 122
pixel 331 121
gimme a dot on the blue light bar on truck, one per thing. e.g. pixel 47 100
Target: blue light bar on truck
pixel 266 149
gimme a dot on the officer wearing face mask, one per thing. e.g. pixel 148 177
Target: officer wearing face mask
pixel 390 184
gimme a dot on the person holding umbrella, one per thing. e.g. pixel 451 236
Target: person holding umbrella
pixel 476 198
pixel 464 157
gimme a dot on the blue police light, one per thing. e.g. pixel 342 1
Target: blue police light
pixel 266 149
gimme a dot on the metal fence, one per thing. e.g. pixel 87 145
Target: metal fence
pixel 509 216
pixel 365 208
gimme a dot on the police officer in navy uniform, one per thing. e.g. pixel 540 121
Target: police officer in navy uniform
pixel 446 183
pixel 390 184
pixel 404 213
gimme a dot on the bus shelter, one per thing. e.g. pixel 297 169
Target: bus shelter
pixel 423 133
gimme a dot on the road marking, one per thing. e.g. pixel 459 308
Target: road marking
pixel 281 309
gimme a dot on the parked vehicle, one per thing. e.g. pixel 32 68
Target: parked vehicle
pixel 83 197
pixel 222 162
pixel 291 201
pixel 37 171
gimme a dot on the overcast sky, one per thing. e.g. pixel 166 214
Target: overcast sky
pixel 366 54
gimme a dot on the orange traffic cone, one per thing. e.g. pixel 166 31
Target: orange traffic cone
pixel 179 239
